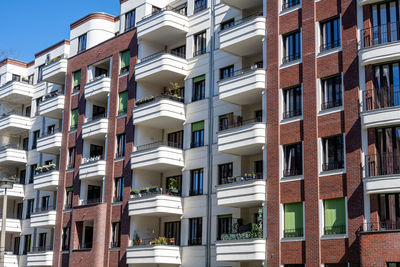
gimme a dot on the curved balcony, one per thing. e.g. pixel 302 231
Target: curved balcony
pixel 46 179
pixel 55 70
pixel 242 137
pixel 12 225
pixel 240 4
pixel 17 92
pixel 14 123
pixel 149 253
pixel 92 168
pixel 245 37
pixel 44 217
pixel 11 259
pixel 241 249
pixel 380 44
pixel 12 156
pixel 162 67
pixel 95 128
pixel 50 142
pixel 160 112
pixel 15 193
pixel 164 26
pixel 244 87
pixel 52 105
pixel 40 256
pixel 382 173
pixel 159 156
pixel 245 191
pixel 98 89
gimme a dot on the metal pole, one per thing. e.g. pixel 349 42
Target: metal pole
pixel 3 229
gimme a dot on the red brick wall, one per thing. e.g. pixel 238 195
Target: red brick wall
pixel 379 248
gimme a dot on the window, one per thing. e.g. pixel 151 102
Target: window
pixel 28 111
pixel 123 103
pixel 387 158
pixel 27 244
pixel 293 160
pixel 82 43
pixel 333 153
pixel 199 5
pixel 289 3
pixel 74 119
pixel 226 72
pixel 116 235
pixel 25 143
pixel 179 51
pixel 37 100
pixel 32 173
pixel 331 92
pixel 393 264
pixel 96 151
pixel 77 81
pixel 16 78
pixel 225 121
pixel 197 134
pixel 22 175
pixel 125 58
pixel 199 88
pixel 65 238
pixel 17 241
pixel 118 189
pixel 195 231
pixel 389 211
pixel 29 208
pixel 336 265
pixel 174 185
pixel 120 146
pixel 30 79
pixel 224 171
pixel 293 220
pixel 130 18
pixel 227 24
pixel 35 137
pixel 200 44
pixel 42 242
pixel 196 182
pixel 94 194
pixel 69 193
pixel 175 139
pixel 40 73
pixel 292 102
pixel 334 216
pixel 172 232
pixel 258 166
pixel 385 23
pixel 20 207
pixel 45 203
pixel 71 158
pixel 291 47
pixel 88 236
pixel 330 34
pixel 224 225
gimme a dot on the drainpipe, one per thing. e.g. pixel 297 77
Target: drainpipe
pixel 210 133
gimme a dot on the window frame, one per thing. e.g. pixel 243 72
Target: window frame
pixel 335 43
pixel 289 47
pixel 82 42
pixel 131 15
pixel 196 182
pixel 195 231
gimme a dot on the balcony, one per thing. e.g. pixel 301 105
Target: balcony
pixel 10 259
pixel 16 192
pixel 17 92
pixel 95 128
pixel 46 179
pixel 12 156
pixel 251 249
pixel 245 37
pixel 150 253
pixel 382 173
pixel 164 26
pixel 52 105
pixel 160 156
pixel 381 107
pixel 244 191
pixel 242 137
pixel 162 67
pixel 50 143
pixel 98 89
pixel 14 123
pixel 380 44
pixel 12 225
pixel 153 202
pixel 161 112
pixel 244 87
pixel 92 168
pixel 44 217
pixel 41 256
pixel 55 70
pixel 240 4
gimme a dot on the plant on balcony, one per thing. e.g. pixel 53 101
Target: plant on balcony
pixel 136 240
pixel 173 91
pixel 159 241
pixel 144 100
pixel 135 192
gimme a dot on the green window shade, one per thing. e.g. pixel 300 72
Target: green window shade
pixel 199 78
pixel 335 216
pixel 77 78
pixel 69 189
pixel 293 213
pixel 197 126
pixel 125 56
pixel 225 216
pixel 74 118
pixel 123 102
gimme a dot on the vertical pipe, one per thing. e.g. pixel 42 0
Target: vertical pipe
pixel 3 229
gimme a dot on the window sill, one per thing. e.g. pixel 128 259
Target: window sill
pixel 293 239
pixel 126 73
pixel 330 110
pixel 327 237
pixel 291 63
pixel 329 51
pixel 289 9
pixel 332 172
pixel 292 119
pixel 292 178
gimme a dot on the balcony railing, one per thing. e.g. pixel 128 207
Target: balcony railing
pixel 331 104
pixel 331 45
pixel 242 21
pixel 335 230
pixel 42 249
pixel 12 146
pixel 239 122
pixel 333 165
pixel 289 233
pixel 92 159
pixel 289 3
pixel 161 53
pixel 247 231
pixel 158 144
pixel 383 164
pixel 200 7
pixel 252 68
pixel 242 178
pixel 52 95
pixel 91 201
pixel 182 10
pixel 97 117
pixel 46 168
pixel 292 113
pixel 56 59
pixel 292 172
pixel 200 52
pixel 154 191
pixel 151 99
pixel 13 112
pixel 380 226
pixel 384 97
pixel 44 209
pixel 137 242
pixel 292 57
pixel 380 34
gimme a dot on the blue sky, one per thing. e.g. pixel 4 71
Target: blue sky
pixel 29 26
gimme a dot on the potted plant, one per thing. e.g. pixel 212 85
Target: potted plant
pixel 135 192
pixel 52 166
pixel 172 241
pixel 39 170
